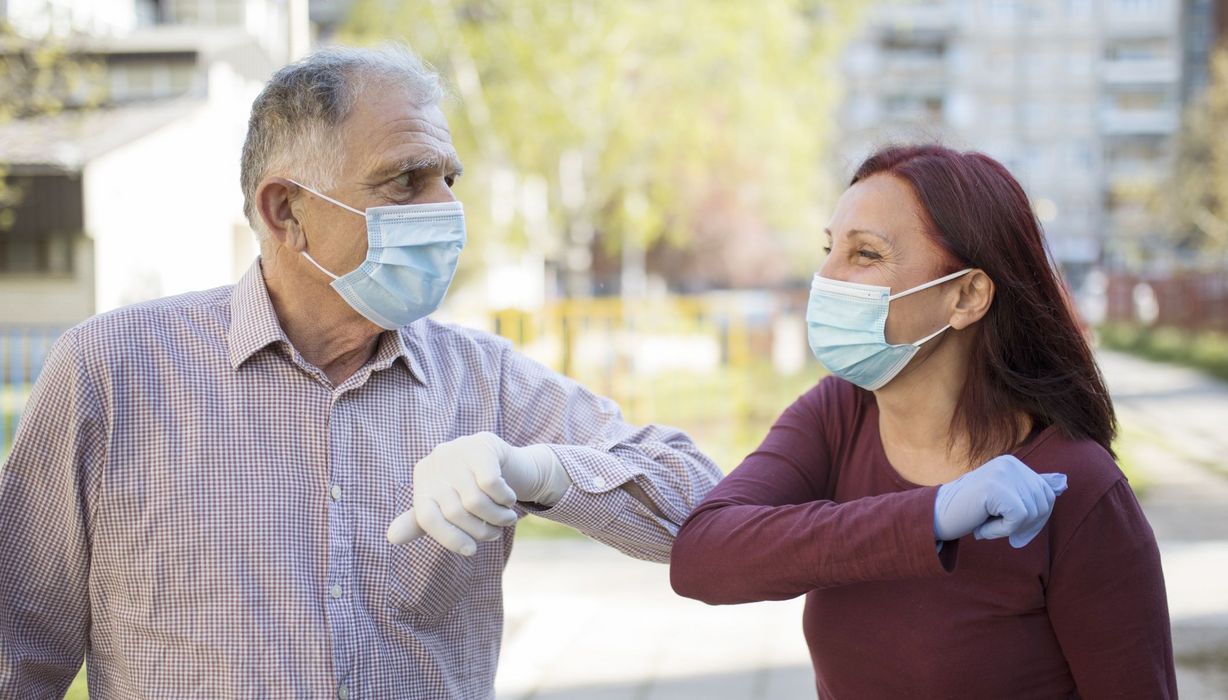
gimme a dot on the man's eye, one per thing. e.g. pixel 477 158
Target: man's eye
pixel 451 180
pixel 868 254
pixel 408 180
pixel 827 249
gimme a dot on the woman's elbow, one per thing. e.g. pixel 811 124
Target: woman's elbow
pixel 691 571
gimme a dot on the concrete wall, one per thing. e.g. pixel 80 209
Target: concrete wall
pixel 51 300
pixel 165 212
pixel 59 17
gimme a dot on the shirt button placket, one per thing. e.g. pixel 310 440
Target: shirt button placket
pixel 339 535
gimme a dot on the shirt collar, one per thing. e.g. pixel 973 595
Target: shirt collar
pixel 254 326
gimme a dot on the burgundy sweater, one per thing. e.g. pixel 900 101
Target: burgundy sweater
pixel 1080 612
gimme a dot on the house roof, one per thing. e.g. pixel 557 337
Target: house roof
pixel 66 141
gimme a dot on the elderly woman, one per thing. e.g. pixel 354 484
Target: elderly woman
pixel 974 407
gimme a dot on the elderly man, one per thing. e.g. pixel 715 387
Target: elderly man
pixel 200 493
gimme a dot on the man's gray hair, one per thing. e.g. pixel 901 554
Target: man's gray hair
pixel 295 119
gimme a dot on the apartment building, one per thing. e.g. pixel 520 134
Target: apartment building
pixel 1081 99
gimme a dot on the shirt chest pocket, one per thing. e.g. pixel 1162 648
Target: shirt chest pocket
pixel 426 581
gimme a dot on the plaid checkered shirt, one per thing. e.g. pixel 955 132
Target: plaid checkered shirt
pixel 199 512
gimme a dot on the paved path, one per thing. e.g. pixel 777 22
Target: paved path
pixel 585 623
pixel 1175 426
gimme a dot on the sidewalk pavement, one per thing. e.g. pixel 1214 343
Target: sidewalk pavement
pixel 586 623
pixel 1175 422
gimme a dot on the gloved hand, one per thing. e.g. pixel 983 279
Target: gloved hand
pixel 1001 498
pixel 464 490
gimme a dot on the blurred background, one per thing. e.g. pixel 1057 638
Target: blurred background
pixel 646 185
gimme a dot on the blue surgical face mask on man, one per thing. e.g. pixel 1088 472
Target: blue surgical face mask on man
pixel 412 250
pixel 846 325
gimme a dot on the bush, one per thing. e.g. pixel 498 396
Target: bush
pixel 1204 350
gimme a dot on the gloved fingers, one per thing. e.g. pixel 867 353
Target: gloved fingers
pixel 479 502
pixel 1021 538
pixel 488 473
pixel 1050 497
pixel 1022 517
pixel 496 488
pixel 1008 511
pixel 992 529
pixel 432 520
pixel 470 523
pixel 1057 482
pixel 404 528
pixel 1043 496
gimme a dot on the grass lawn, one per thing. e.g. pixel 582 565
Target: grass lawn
pixel 1205 350
pixel 1129 439
pixel 12 400
pixel 78 690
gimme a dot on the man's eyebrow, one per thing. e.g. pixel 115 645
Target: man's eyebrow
pixel 431 161
pixel 852 232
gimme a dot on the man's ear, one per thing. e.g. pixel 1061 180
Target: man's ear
pixel 976 292
pixel 275 200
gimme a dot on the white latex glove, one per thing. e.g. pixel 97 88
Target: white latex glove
pixel 464 490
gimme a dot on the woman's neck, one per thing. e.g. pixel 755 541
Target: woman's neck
pixel 916 411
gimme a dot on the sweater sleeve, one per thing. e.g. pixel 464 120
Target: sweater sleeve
pixel 1107 603
pixel 771 531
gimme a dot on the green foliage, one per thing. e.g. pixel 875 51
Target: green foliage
pixel 1205 350
pixel 79 689
pixel 645 121
pixel 1196 200
pixel 40 76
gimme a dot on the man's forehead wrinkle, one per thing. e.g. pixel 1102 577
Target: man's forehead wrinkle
pixel 430 126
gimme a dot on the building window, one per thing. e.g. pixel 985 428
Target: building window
pixel 43 224
pixel 47 255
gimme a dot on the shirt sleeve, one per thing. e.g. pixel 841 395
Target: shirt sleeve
pixel 44 530
pixel 770 530
pixel 601 454
pixel 1108 606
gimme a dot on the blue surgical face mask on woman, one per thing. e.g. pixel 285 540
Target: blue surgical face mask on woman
pixel 412 251
pixel 846 325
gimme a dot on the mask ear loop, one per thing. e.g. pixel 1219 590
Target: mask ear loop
pixel 320 267
pixel 326 198
pixel 927 285
pixel 931 336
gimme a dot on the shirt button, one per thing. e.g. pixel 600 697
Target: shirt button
pixel 343 692
pixel 335 492
pixel 599 482
pixel 337 592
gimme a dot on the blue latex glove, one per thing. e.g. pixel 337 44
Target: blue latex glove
pixel 1000 498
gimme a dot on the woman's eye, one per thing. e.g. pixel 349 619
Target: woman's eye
pixel 451 180
pixel 868 254
pixel 827 249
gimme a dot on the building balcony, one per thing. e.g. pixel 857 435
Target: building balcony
pixel 1119 122
pixel 1136 71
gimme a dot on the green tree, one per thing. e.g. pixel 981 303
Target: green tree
pixel 40 76
pixel 639 122
pixel 1197 197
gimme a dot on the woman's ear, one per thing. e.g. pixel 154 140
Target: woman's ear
pixel 275 204
pixel 976 292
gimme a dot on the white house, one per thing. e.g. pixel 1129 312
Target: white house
pixel 140 197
